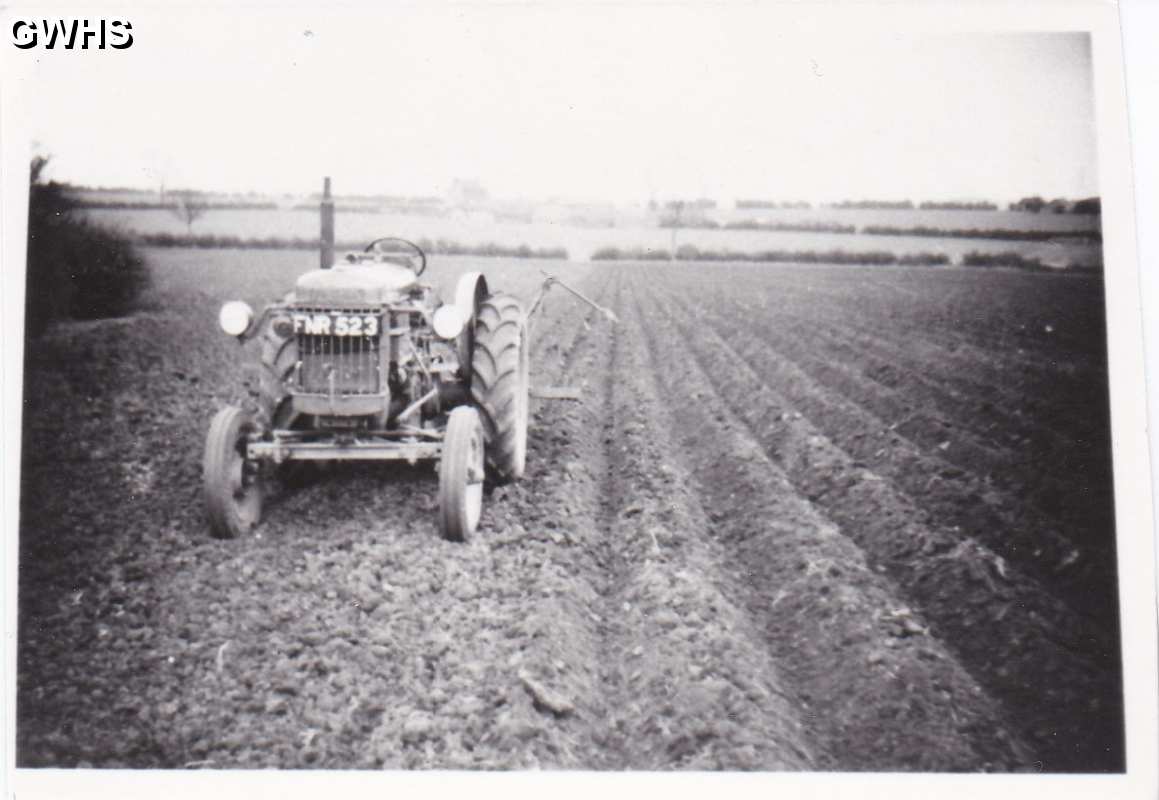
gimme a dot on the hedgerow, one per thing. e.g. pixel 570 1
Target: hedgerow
pixel 75 269
pixel 211 241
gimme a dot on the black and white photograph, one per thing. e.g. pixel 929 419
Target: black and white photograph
pixel 742 391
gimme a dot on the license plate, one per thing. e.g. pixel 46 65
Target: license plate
pixel 337 324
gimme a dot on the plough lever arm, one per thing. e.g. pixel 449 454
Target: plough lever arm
pixel 552 280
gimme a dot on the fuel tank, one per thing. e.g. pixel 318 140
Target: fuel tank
pixel 357 284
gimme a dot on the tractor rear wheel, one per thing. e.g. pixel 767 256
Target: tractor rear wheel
pixel 499 384
pixel 279 359
pixel 232 483
pixel 278 362
pixel 461 475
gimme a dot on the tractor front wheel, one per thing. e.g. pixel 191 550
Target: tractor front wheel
pixel 461 475
pixel 232 482
pixel 499 383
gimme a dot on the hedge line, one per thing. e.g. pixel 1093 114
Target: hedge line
pixel 870 258
pixel 75 269
pixel 437 247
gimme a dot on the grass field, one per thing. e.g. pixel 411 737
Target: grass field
pixel 635 231
pixel 803 517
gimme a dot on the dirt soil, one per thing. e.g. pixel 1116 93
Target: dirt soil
pixel 747 547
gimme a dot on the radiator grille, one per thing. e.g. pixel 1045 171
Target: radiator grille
pixel 353 360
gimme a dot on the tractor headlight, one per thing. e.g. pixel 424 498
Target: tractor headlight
pixel 448 321
pixel 235 317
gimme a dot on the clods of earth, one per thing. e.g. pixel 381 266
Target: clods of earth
pixel 801 518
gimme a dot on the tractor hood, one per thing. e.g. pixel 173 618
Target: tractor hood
pixel 354 284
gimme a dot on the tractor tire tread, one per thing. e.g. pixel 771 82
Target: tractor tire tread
pixel 454 518
pixel 225 429
pixel 279 358
pixel 499 378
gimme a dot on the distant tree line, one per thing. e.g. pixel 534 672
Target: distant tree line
pixel 1008 234
pixel 884 204
pixel 800 226
pixel 808 226
pixel 437 246
pixel 792 204
pixel 148 205
pixel 1060 205
pixel 959 205
pixel 688 252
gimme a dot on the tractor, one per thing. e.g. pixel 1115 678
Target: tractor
pixel 364 361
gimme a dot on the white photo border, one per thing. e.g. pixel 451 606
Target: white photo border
pixel 1133 484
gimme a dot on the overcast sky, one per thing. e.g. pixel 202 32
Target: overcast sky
pixel 618 102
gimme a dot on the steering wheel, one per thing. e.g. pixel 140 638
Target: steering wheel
pixel 405 255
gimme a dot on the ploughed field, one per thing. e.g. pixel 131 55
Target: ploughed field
pixel 803 518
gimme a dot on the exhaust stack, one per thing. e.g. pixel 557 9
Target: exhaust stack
pixel 327 207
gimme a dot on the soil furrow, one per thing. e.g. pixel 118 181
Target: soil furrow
pixel 1070 567
pixel 1042 469
pixel 1048 437
pixel 947 355
pixel 714 560
pixel 1065 402
pixel 839 628
pixel 945 374
pixel 649 685
pixel 953 352
pixel 688 684
pixel 1014 335
pixel 1007 632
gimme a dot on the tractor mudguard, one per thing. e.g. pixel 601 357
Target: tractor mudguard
pixel 470 291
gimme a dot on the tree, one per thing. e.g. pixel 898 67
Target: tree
pixel 1033 204
pixel 1090 205
pixel 188 207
